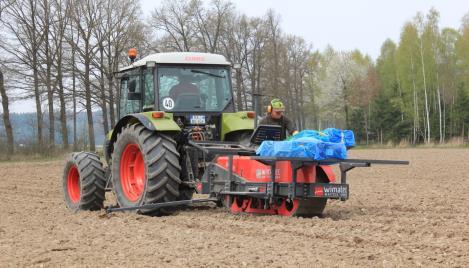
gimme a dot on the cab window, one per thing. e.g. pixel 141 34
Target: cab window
pixel 130 94
pixel 186 88
pixel 149 98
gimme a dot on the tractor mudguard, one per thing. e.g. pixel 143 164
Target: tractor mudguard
pixel 232 122
pixel 164 124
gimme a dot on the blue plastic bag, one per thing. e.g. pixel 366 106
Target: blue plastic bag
pixel 317 145
pixel 303 147
pixel 311 134
pixel 337 135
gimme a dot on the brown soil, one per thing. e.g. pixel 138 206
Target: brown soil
pixel 413 215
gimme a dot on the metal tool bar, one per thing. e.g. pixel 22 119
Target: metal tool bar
pixel 222 148
pixel 163 205
pixel 330 161
pixel 252 194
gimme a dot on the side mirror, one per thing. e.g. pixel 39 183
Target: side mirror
pixel 134 96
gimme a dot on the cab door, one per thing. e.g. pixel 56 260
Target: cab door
pixel 131 97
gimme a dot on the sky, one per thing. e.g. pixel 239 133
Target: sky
pixel 345 25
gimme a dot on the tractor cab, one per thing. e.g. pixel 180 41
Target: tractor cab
pixel 176 82
pixel 194 89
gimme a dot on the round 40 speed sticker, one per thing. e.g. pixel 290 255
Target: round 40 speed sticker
pixel 168 103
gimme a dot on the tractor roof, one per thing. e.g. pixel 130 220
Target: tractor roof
pixel 180 58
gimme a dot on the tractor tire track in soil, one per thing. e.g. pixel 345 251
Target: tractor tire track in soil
pixel 412 215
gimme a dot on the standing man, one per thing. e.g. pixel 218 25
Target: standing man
pixel 275 116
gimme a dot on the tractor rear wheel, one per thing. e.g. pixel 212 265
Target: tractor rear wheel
pixel 145 169
pixel 84 182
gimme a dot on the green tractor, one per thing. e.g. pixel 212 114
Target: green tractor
pixel 166 100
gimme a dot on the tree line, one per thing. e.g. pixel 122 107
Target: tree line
pixel 423 92
pixel 62 54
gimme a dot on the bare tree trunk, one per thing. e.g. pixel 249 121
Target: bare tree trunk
pixel 440 125
pixel 37 98
pixel 103 92
pixel 462 131
pixel 288 100
pixel 295 104
pixel 444 116
pixel 315 112
pixel 74 99
pixel 367 125
pixel 58 32
pixel 302 111
pixel 110 86
pixel 239 99
pixel 401 99
pixel 415 103
pixel 6 118
pixel 452 119
pixel 345 94
pixel 245 97
pixel 440 116
pixel 259 88
pixel 63 110
pixel 115 101
pixel 273 25
pixel 35 64
pixel 427 109
pixel 424 128
pixel 50 94
pixel 112 112
pixel 381 136
pixel 89 111
pixel 255 92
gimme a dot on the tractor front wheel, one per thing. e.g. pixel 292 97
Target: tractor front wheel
pixel 145 169
pixel 84 182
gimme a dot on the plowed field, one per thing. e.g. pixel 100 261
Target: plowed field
pixel 416 215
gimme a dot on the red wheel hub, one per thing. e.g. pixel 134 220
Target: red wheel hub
pixel 288 207
pixel 132 172
pixel 73 184
pixel 238 205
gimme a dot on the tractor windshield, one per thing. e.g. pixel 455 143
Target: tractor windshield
pixel 186 89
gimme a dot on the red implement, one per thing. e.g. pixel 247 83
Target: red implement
pixel 253 171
